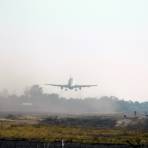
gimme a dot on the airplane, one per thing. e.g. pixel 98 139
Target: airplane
pixel 70 85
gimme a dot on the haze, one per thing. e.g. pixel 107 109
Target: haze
pixel 100 42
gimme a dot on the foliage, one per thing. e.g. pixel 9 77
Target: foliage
pixel 75 134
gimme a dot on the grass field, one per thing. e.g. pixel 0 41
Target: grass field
pixel 74 134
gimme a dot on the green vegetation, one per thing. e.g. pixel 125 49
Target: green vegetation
pixel 75 134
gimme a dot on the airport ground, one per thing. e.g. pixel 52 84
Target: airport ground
pixel 84 129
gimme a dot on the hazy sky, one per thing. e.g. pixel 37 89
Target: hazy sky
pixel 102 42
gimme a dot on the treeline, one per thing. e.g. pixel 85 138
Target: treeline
pixel 35 100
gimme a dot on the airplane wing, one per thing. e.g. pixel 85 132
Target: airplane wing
pixel 80 86
pixel 58 85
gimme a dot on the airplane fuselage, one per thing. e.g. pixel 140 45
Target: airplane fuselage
pixel 70 83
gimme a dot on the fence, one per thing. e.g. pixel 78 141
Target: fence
pixel 35 144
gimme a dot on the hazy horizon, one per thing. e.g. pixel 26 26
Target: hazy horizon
pixel 100 42
pixel 35 100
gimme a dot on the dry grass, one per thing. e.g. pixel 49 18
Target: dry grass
pixel 75 134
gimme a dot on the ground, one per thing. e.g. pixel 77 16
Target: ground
pixel 84 129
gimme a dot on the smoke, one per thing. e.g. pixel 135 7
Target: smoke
pixel 34 100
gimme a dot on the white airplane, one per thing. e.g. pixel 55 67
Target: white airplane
pixel 70 85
